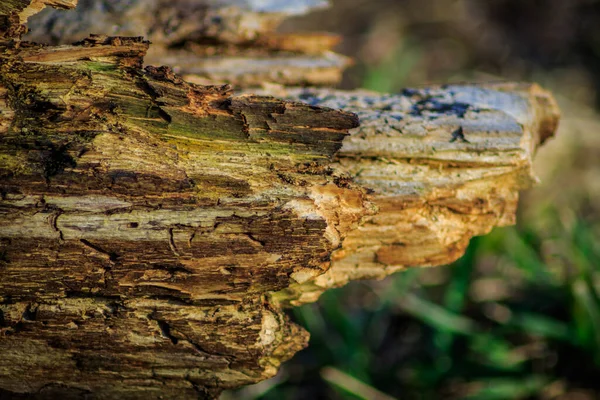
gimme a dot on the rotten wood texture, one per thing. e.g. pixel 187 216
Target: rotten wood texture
pixel 208 41
pixel 152 230
pixel 441 165
pixel 161 211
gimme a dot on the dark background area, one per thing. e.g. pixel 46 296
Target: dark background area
pixel 518 317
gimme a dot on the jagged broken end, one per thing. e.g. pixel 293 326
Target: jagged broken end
pixel 441 165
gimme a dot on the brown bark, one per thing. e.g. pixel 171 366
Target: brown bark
pixel 151 230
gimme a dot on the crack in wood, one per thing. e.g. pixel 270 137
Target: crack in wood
pixel 458 134
pixel 172 245
pixel 99 251
pixel 53 221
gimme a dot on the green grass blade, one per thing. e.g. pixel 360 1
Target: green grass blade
pixel 503 389
pixel 435 316
pixel 351 385
pixel 541 325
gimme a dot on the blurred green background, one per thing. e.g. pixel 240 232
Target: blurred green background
pixel 518 317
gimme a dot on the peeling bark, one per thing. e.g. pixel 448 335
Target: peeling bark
pixel 151 229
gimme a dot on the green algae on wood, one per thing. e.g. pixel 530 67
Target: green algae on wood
pixel 171 209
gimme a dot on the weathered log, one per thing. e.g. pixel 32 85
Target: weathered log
pixel 151 230
pixel 162 212
pixel 208 41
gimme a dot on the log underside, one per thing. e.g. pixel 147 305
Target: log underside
pixel 153 230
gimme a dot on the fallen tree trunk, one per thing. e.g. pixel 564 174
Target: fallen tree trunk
pixel 151 230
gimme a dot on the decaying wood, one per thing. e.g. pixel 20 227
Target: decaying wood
pixel 441 165
pixel 208 41
pixel 151 230
pixel 163 213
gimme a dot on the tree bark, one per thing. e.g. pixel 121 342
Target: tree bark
pixel 152 230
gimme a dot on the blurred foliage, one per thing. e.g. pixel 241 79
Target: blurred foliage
pixel 518 317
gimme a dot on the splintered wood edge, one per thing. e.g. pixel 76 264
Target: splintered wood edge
pixel 36 6
pixel 442 164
